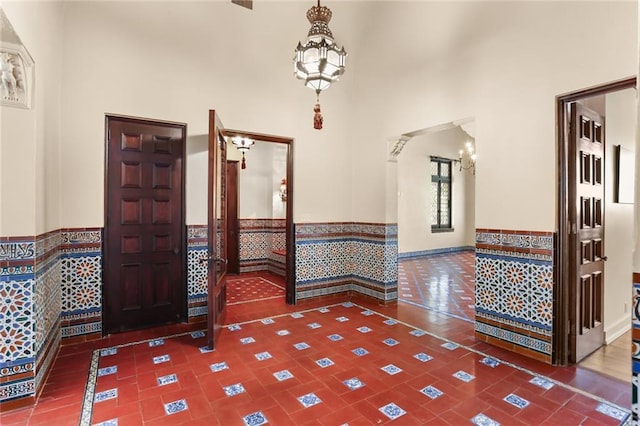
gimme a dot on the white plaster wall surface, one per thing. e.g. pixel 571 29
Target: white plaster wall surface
pixel 175 61
pixel 414 193
pixel 255 200
pixel 30 193
pixel 500 62
pixel 620 130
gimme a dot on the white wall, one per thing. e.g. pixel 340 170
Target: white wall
pixel 30 138
pixel 175 61
pixel 259 183
pixel 415 198
pixel 620 130
pixel 500 62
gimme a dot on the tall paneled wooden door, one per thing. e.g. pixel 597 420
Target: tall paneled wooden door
pixel 586 204
pixel 216 220
pixel 144 257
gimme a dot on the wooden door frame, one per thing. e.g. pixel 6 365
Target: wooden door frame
pixel 289 228
pixel 232 221
pixel 562 302
pixel 183 209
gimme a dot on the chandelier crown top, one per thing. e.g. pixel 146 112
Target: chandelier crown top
pixel 319 13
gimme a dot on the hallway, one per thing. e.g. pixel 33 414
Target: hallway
pixel 324 362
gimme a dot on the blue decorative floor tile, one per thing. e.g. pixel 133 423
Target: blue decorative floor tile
pixel 110 422
pixel 107 370
pixel 262 356
pixel 367 313
pixel 390 321
pixel 360 351
pixel 347 304
pixel 219 367
pixel 314 325
pixel 542 382
pixel 156 342
pixel 491 362
pixel 105 395
pixel 301 346
pixel 417 333
pixel 197 334
pixel 233 390
pixel 267 321
pixel 431 392
pixel 342 319
pixel 309 400
pixel 392 411
pixel 247 340
pixel 610 411
pixel 391 369
pixel 234 327
pixel 255 419
pixel 324 362
pixel 205 349
pixel 353 383
pixel 335 337
pixel 423 357
pixel 296 315
pixel 390 342
pixel 364 329
pixel 450 345
pixel 283 332
pixel 160 359
pixel 323 310
pixel 464 376
pixel 108 351
pixel 167 380
pixel 516 401
pixel 482 420
pixel 283 375
pixel 175 407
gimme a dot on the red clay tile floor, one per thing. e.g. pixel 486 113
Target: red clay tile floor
pixel 253 287
pixel 318 364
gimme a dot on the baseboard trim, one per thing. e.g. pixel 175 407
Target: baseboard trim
pixel 616 330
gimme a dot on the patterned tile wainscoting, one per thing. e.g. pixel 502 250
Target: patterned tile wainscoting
pixel 432 252
pixel 635 352
pixel 259 238
pixel 81 280
pixel 47 302
pixel 514 290
pixel 17 322
pixel 341 257
pixel 197 271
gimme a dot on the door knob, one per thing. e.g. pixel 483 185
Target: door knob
pixel 605 258
pixel 176 250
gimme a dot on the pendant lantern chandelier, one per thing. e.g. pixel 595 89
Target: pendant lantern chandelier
pixel 243 145
pixel 320 61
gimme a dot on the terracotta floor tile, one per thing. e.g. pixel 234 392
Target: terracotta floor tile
pixel 141 399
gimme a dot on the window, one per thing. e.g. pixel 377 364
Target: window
pixel 440 195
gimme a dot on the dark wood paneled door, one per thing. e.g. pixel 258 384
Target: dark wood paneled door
pixel 216 219
pixel 586 197
pixel 144 231
pixel 233 226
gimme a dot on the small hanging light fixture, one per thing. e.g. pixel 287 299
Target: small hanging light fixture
pixel 320 61
pixel 467 158
pixel 283 190
pixel 243 145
